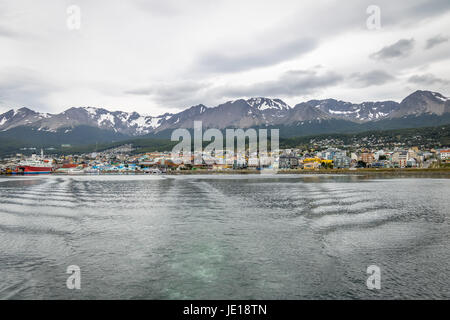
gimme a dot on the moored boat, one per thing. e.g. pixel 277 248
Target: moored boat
pixel 33 169
pixel 34 165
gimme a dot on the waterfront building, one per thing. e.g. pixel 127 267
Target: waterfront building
pixel 311 165
pixel 342 162
pixel 444 154
pixel 399 159
pixel 288 162
pixel 367 157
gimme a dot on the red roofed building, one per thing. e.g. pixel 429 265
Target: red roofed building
pixel 444 154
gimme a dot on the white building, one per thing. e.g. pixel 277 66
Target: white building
pixel 444 154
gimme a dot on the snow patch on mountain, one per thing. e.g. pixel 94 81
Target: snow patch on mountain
pixel 154 122
pixel 440 96
pixel 106 118
pixel 341 112
pixel 265 104
pixel 91 111
pixel 140 122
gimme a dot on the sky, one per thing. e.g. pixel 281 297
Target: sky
pixel 158 56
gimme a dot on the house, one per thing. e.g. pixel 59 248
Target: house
pixel 342 162
pixel 330 153
pixel 400 158
pixel 288 162
pixel 367 157
pixel 379 164
pixel 311 165
pixel 411 163
pixel 378 154
pixel 444 154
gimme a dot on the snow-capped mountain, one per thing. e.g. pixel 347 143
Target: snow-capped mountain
pixel 268 104
pixel 118 121
pixel 21 117
pixel 366 111
pixel 421 102
pixel 239 113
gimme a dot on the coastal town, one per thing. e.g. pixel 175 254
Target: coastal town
pixel 123 160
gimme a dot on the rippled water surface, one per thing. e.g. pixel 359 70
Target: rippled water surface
pixel 224 237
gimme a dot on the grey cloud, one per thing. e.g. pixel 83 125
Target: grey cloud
pixel 174 27
pixel 398 12
pixel 23 87
pixel 372 78
pixel 5 32
pixel 173 95
pixel 290 84
pixel 262 55
pixel 343 18
pixel 401 48
pixel 427 79
pixel 167 8
pixel 5 28
pixel 428 8
pixel 155 7
pixel 432 42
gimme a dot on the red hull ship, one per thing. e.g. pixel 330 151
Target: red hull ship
pixel 34 166
pixel 33 170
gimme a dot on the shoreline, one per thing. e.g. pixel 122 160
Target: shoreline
pixel 369 171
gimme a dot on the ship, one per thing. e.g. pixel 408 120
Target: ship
pixel 34 166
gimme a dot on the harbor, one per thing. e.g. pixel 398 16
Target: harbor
pixel 327 160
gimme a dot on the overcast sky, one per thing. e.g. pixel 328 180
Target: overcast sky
pixel 157 56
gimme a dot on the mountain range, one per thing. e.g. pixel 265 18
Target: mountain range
pixel 83 125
